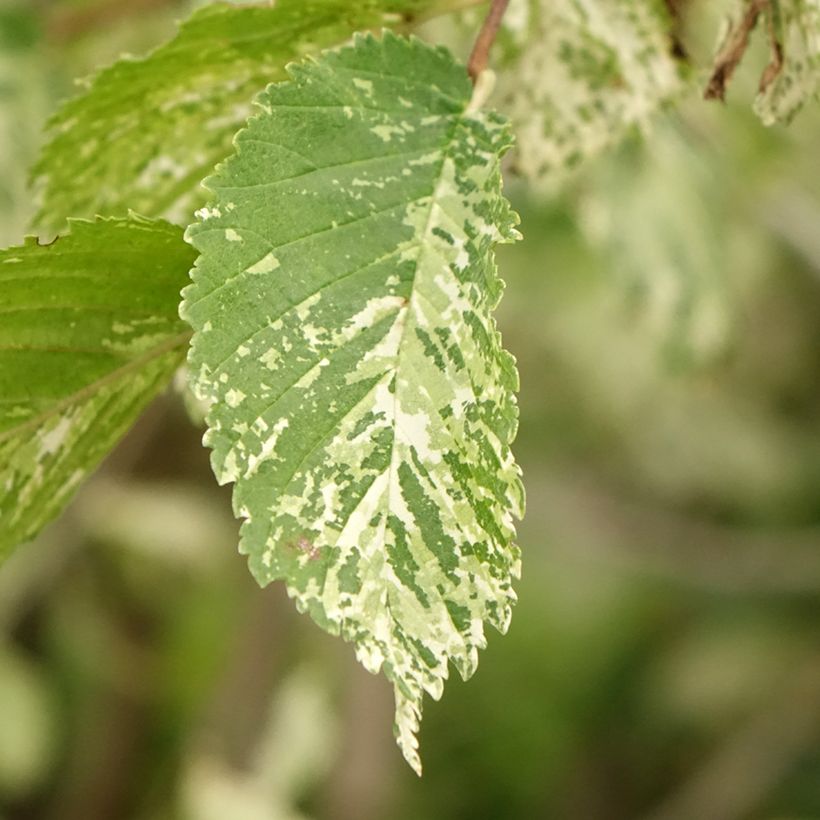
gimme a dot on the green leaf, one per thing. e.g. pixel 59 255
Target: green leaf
pixel 581 73
pixel 23 108
pixel 148 130
pixel 361 399
pixel 794 76
pixel 90 333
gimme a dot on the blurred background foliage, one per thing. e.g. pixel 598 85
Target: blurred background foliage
pixel 664 659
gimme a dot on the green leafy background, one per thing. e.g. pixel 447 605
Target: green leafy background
pixel 662 660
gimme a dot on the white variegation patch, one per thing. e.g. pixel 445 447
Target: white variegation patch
pixel 371 446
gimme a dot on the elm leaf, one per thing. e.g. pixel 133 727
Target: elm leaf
pixel 360 398
pixel 579 75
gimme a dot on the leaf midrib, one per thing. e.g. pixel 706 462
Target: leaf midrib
pixel 391 470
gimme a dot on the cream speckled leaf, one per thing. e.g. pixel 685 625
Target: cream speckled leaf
pixel 148 130
pixel 658 213
pixel 581 73
pixel 797 30
pixel 89 334
pixel 361 399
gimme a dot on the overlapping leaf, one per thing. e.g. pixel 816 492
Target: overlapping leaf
pixel 796 74
pixel 581 73
pixel 89 334
pixel 792 75
pixel 148 130
pixel 362 402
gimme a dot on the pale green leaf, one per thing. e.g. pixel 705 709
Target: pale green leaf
pixel 796 75
pixel 362 401
pixel 89 334
pixel 148 130
pixel 581 73
pixel 657 212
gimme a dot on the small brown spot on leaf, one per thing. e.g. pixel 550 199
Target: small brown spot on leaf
pixel 307 547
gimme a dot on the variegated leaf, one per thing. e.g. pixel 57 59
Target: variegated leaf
pixel 581 73
pixel 361 399
pixel 146 131
pixel 795 75
pixel 89 334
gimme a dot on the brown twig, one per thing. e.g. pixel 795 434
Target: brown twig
pixel 775 61
pixel 486 37
pixel 676 9
pixel 733 49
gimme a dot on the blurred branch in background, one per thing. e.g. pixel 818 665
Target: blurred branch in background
pixel 735 781
pixel 29 576
pixel 591 522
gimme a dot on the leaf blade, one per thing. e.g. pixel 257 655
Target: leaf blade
pixel 89 335
pixel 793 78
pixel 581 74
pixel 148 130
pixel 361 400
